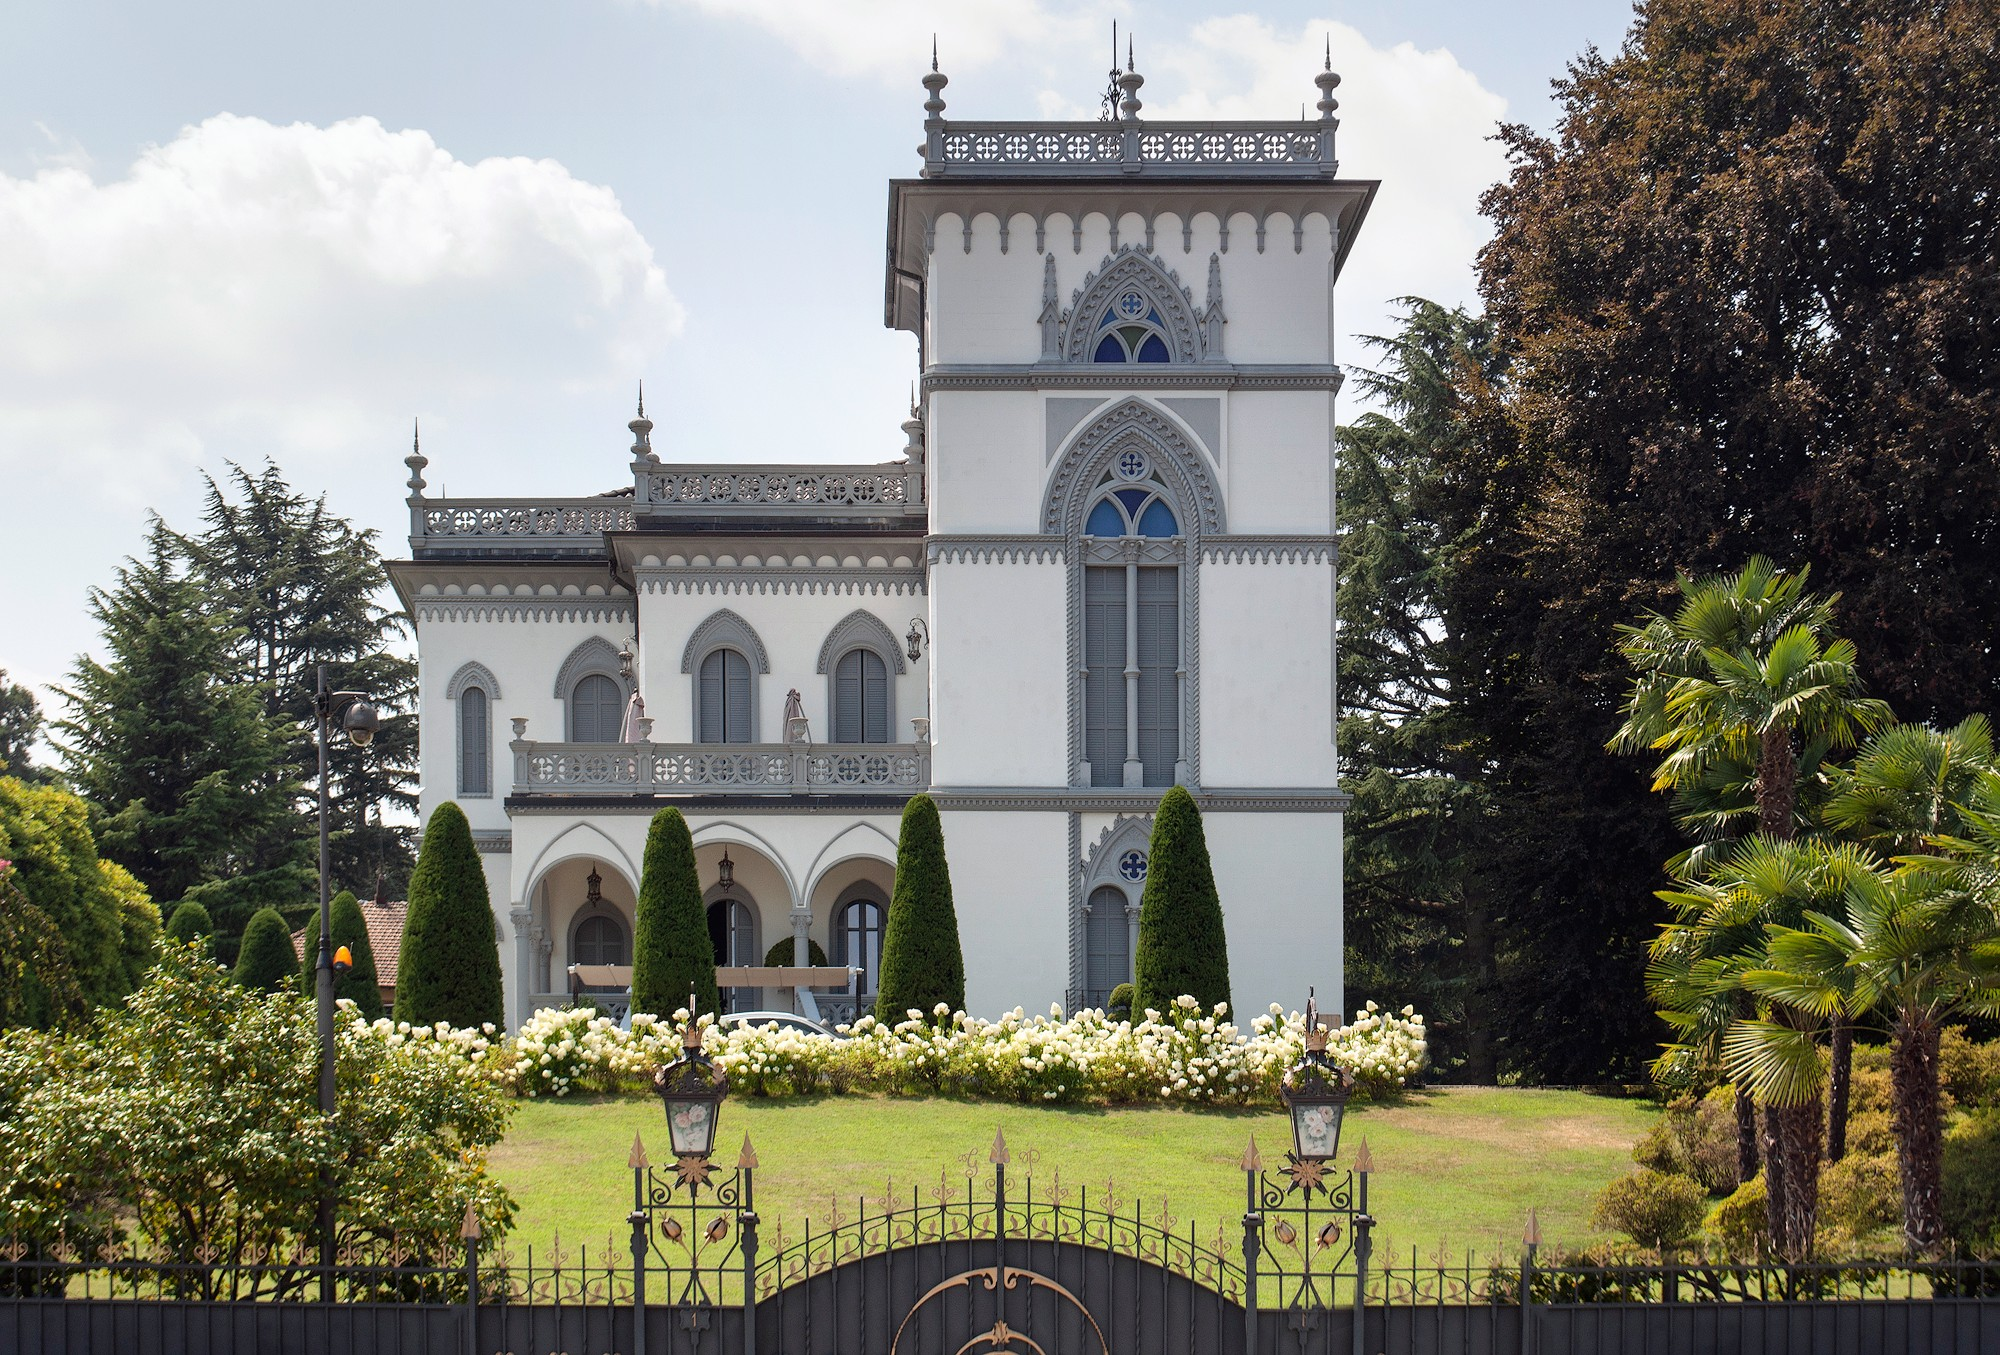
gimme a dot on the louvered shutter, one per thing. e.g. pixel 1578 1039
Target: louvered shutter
pixel 847 698
pixel 594 710
pixel 736 698
pixel 1159 684
pixel 474 744
pixel 1106 964
pixel 709 699
pixel 1104 673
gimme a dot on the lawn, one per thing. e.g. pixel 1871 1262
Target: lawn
pixel 1457 1166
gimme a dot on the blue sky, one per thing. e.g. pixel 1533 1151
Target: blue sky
pixel 232 231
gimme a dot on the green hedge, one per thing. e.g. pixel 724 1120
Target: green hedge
pixel 672 954
pixel 450 964
pixel 350 929
pixel 922 964
pixel 265 961
pixel 1182 946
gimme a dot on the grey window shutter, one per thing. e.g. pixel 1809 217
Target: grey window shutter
pixel 1104 673
pixel 594 710
pixel 710 698
pixel 736 698
pixel 1159 685
pixel 474 743
pixel 847 698
pixel 874 698
pixel 1105 943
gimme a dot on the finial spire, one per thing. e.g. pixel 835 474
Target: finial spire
pixel 642 399
pixel 1127 84
pixel 1128 52
pixel 1328 81
pixel 642 431
pixel 416 461
pixel 934 64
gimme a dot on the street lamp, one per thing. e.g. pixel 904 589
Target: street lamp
pixel 1315 1095
pixel 358 719
pixel 691 1091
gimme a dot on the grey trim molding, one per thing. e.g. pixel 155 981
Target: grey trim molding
pixel 1076 932
pixel 493 841
pixel 998 376
pixel 1130 268
pixel 522 609
pixel 595 655
pixel 1115 800
pixel 724 627
pixel 863 628
pixel 982 550
pixel 831 580
pixel 1263 550
pixel 473 674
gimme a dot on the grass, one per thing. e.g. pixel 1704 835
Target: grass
pixel 1456 1166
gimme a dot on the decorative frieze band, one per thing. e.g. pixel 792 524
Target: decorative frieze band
pixel 523 609
pixel 1206 376
pixel 1262 550
pixel 984 550
pixel 829 580
pixel 493 841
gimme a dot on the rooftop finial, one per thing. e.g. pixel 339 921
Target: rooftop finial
pixel 1128 51
pixel 934 51
pixel 1327 81
pixel 416 461
pixel 642 431
pixel 935 83
pixel 1128 84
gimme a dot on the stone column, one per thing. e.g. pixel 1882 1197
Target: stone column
pixel 523 918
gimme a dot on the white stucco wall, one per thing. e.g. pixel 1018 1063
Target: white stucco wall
pixel 1279 876
pixel 1267 675
pixel 999 635
pixel 1010 888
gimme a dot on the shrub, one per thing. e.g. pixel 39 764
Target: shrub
pixel 265 962
pixel 1857 1195
pixel 190 922
pixel 780 955
pixel 672 955
pixel 923 967
pixel 350 929
pixel 1655 1209
pixel 1182 946
pixel 1738 1222
pixel 1695 1139
pixel 1119 1005
pixel 1969 1070
pixel 450 965
pixel 1971 1196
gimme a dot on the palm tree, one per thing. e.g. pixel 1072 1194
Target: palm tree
pixel 1720 933
pixel 1912 946
pixel 1741 687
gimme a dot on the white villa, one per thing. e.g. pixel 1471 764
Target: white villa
pixel 1101 564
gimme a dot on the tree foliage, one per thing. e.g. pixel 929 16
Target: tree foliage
pixel 265 962
pixel 350 928
pixel 1183 950
pixel 20 726
pixel 190 922
pixel 449 969
pixel 672 955
pixel 922 963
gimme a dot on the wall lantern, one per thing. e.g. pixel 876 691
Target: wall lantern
pixel 727 876
pixel 692 1089
pixel 1315 1094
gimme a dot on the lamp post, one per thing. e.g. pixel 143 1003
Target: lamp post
pixel 359 720
pixel 1315 1094
pixel 691 1091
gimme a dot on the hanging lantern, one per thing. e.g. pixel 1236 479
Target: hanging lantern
pixel 727 871
pixel 1315 1094
pixel 691 1089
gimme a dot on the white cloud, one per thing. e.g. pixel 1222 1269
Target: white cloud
pixel 282 285
pixel 1417 120
pixel 890 39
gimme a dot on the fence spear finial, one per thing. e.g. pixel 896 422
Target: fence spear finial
pixel 637 1161
pixel 998 1157
pixel 748 1157
pixel 1364 1161
pixel 1253 1161
pixel 469 1230
pixel 1533 1237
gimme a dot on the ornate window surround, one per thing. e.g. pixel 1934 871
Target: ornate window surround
pixel 861 629
pixel 1193 335
pixel 1135 424
pixel 724 629
pixel 1126 834
pixel 595 655
pixel 470 676
pixel 472 673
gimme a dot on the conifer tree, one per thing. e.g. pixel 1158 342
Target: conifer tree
pixel 449 969
pixel 265 962
pixel 175 752
pixel 350 929
pixel 20 724
pixel 672 955
pixel 190 922
pixel 779 956
pixel 922 964
pixel 1182 948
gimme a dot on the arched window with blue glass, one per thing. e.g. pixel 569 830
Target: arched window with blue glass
pixel 1133 668
pixel 1131 329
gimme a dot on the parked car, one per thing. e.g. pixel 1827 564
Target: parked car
pixel 784 1020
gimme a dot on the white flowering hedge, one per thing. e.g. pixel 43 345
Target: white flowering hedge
pixel 1182 1055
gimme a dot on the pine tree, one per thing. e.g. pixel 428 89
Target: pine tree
pixel 350 929
pixel 302 586
pixel 265 962
pixel 1182 948
pixel 20 725
pixel 672 955
pixel 190 922
pixel 177 757
pixel 922 964
pixel 450 964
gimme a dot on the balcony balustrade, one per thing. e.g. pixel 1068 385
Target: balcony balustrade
pixel 734 768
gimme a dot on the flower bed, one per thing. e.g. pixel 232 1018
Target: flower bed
pixel 1183 1055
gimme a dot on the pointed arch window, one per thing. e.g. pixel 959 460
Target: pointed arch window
pixel 1133 670
pixel 596 709
pixel 1131 329
pixel 1107 945
pixel 475 743
pixel 723 698
pixel 860 698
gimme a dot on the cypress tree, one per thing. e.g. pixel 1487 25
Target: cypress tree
pixel 1182 948
pixel 350 929
pixel 672 955
pixel 450 965
pixel 265 962
pixel 922 964
pixel 191 922
pixel 780 954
